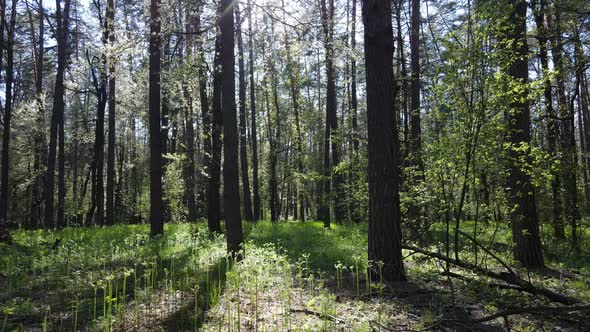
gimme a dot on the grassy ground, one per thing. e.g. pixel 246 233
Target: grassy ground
pixel 295 277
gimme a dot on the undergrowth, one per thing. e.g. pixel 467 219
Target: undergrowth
pixel 294 277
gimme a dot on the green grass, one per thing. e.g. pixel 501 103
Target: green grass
pixel 113 278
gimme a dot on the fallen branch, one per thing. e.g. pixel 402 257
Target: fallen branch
pixel 489 252
pixel 536 309
pixel 525 286
pixel 464 278
pixel 319 314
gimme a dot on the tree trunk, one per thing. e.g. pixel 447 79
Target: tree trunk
pixel 540 12
pixel 156 216
pixel 523 205
pixel 293 73
pixel 110 31
pixel 568 143
pixel 254 137
pixel 356 216
pixel 403 101
pixel 243 142
pixel 213 207
pixel 331 114
pixel 40 140
pixel 415 132
pixel 231 196
pixel 58 108
pixel 189 119
pixel 7 114
pixel 383 168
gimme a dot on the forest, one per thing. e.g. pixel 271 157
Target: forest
pixel 295 165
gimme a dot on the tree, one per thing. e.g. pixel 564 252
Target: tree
pixel 523 214
pixel 293 73
pixel 156 211
pixel 540 12
pixel 8 106
pixel 231 196
pixel 57 112
pixel 415 136
pixel 189 118
pixel 254 137
pixel 383 144
pixel 213 209
pixel 568 140
pixel 110 37
pixel 354 107
pixel 331 141
pixel 40 147
pixel 243 141
pixel 415 130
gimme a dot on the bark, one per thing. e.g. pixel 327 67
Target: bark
pixel 523 205
pixel 540 12
pixel 353 79
pixel 356 215
pixel 231 196
pixel 253 126
pixel 205 113
pixel 8 106
pixel 57 113
pixel 331 117
pixel 189 119
pixel 40 152
pixel 404 85
pixel 273 152
pixel 585 116
pixel 213 207
pixel 156 204
pixel 383 144
pixel 568 142
pixel 101 91
pixel 293 73
pixel 415 141
pixel 243 141
pixel 110 31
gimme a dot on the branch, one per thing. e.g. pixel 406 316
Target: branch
pixel 535 309
pixel 319 314
pixel 507 277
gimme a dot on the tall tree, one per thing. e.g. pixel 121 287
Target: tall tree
pixel 243 124
pixel 523 214
pixel 189 118
pixel 156 210
pixel 8 106
pixel 383 168
pixel 205 114
pixel 355 208
pixel 110 36
pixel 231 196
pixel 540 12
pixel 415 136
pixel 213 208
pixel 568 141
pixel 333 193
pixel 253 129
pixel 294 79
pixel 40 148
pixel 57 112
pixel 415 130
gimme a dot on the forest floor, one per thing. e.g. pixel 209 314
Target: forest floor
pixel 295 277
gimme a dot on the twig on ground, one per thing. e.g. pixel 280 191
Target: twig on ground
pixel 319 314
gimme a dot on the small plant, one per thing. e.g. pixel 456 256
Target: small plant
pixel 339 268
pixel 356 273
pixel 6 312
